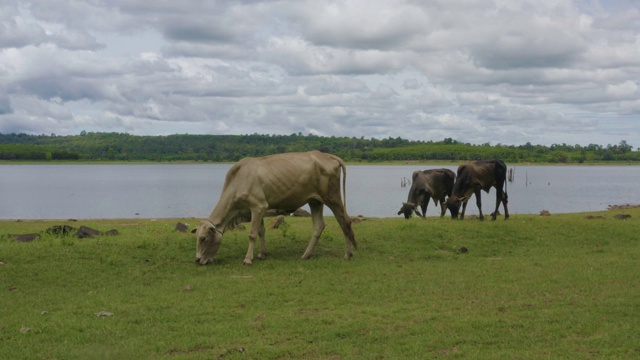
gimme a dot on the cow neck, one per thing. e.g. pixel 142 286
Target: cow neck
pixel 217 228
pixel 221 218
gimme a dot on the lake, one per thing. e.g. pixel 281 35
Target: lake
pixel 191 190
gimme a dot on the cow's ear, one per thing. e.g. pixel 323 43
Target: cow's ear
pixel 193 231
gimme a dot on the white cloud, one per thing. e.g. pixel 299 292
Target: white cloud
pixel 625 91
pixel 411 84
pixel 500 71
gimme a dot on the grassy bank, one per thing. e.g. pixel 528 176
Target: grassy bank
pixel 562 286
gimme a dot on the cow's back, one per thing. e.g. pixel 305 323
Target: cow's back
pixel 440 181
pixel 481 172
pixel 284 181
pixel 435 182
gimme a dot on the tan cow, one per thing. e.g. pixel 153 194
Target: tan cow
pixel 284 182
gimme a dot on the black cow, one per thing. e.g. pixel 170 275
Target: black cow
pixel 475 176
pixel 428 184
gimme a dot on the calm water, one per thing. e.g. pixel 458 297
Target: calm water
pixel 160 191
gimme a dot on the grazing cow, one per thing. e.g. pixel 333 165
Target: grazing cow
pixel 428 184
pixel 283 182
pixel 475 176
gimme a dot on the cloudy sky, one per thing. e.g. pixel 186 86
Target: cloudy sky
pixel 478 71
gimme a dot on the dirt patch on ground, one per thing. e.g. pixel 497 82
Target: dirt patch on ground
pixel 592 217
pixel 63 230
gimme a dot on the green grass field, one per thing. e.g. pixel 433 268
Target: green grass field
pixel 556 287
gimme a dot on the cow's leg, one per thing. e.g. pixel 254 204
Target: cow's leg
pixel 443 206
pixel 479 203
pixel 424 205
pixel 501 197
pixel 256 224
pixel 498 201
pixel 464 208
pixel 345 224
pixel 318 227
pixel 263 248
pixel 505 200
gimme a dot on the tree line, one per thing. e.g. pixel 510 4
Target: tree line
pixel 95 146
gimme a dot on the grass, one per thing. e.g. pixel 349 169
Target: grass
pixel 532 287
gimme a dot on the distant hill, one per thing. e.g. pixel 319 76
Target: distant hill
pixel 230 148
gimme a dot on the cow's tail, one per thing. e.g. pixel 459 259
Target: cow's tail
pixel 506 180
pixel 506 197
pixel 344 184
pixel 344 178
pixel 348 230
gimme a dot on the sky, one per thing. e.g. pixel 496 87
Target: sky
pixel 477 71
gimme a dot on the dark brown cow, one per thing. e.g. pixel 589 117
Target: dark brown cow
pixel 475 176
pixel 282 182
pixel 428 184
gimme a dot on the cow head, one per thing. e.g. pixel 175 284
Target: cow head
pixel 208 240
pixel 407 209
pixel 453 204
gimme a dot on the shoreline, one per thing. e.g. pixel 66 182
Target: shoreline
pixel 609 208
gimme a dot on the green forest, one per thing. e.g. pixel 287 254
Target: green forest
pixel 230 148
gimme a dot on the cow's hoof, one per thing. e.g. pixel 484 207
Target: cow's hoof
pixel 262 257
pixel 203 261
pixel 247 263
